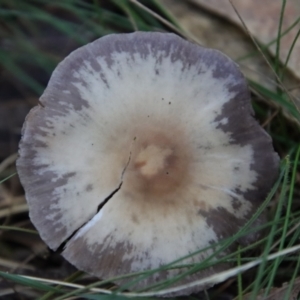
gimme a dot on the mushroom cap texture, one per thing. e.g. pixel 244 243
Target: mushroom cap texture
pixel 160 131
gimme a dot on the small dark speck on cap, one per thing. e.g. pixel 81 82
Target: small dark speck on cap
pixel 89 187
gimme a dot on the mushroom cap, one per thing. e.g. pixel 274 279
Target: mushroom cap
pixel 157 134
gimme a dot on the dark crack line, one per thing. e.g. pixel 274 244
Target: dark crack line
pixel 129 158
pixel 100 206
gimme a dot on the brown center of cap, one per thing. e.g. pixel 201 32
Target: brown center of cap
pixel 152 161
pixel 158 163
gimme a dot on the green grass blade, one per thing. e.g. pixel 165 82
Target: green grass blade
pixel 277 55
pixel 6 178
pixel 29 282
pixel 277 98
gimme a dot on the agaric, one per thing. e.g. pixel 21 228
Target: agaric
pixel 146 145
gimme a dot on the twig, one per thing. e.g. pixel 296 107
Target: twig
pixel 16 209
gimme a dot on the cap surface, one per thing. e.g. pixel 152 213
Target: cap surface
pixel 165 124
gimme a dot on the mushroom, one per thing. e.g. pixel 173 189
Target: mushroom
pixel 144 149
